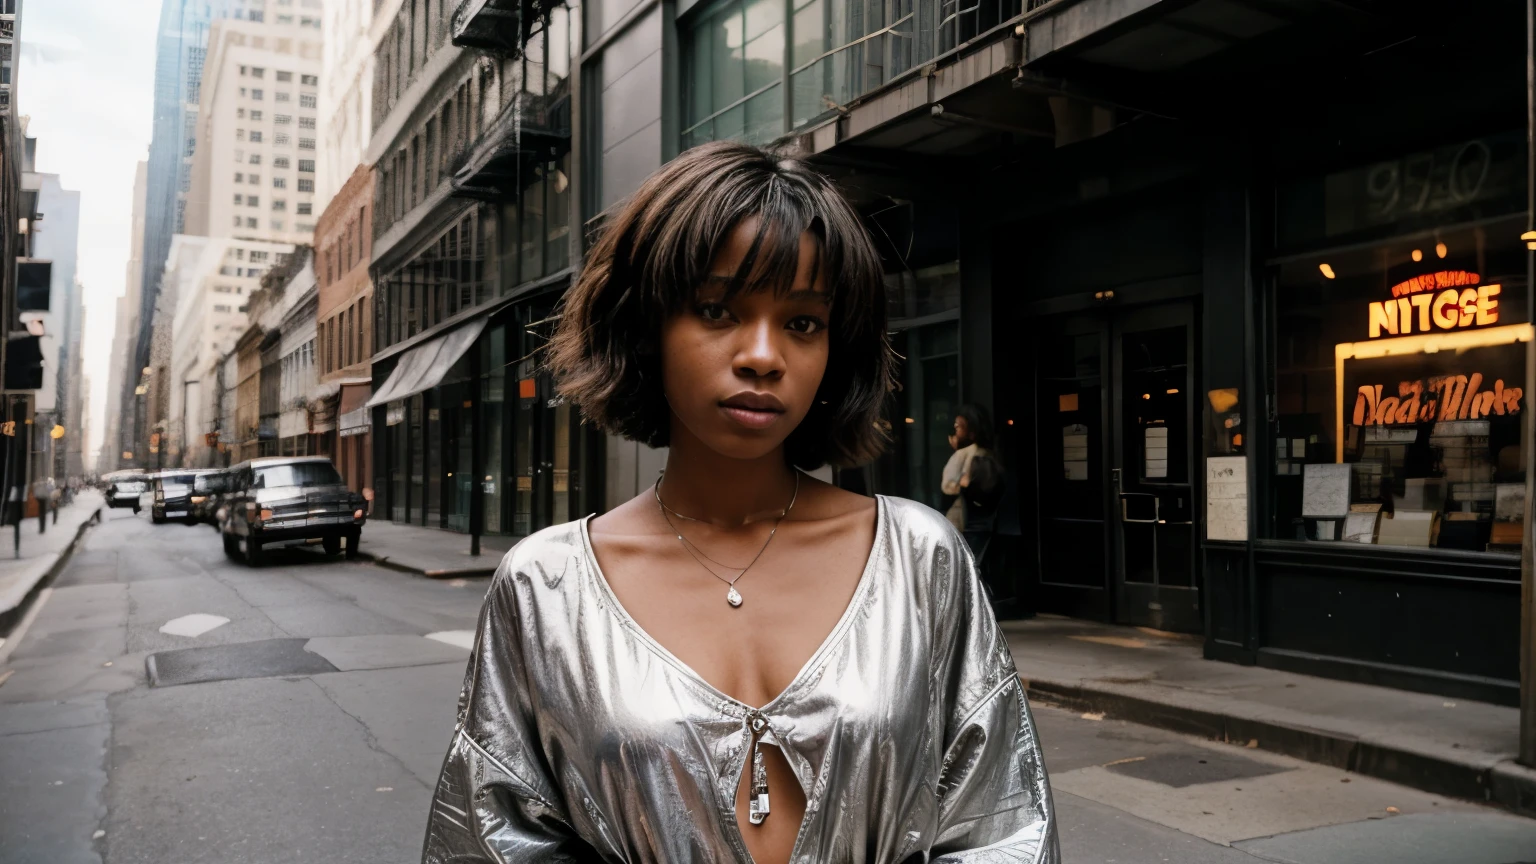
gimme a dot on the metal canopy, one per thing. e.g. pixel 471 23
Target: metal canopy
pixel 424 366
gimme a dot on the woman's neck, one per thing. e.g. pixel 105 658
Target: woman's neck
pixel 727 493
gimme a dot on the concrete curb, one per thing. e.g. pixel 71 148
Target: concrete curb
pixel 11 617
pixel 1442 771
pixel 437 573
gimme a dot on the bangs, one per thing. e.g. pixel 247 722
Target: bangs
pixel 786 206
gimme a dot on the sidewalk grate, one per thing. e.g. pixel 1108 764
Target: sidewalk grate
pixel 266 658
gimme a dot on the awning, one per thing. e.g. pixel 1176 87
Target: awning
pixel 424 366
pixel 355 418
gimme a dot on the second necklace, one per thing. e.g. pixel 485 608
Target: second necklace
pixel 732 596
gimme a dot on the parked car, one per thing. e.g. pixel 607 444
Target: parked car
pixel 208 492
pixel 172 495
pixel 124 491
pixel 290 500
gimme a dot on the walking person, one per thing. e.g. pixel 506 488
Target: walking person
pixel 742 663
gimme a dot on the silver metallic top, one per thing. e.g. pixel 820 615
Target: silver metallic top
pixel 580 738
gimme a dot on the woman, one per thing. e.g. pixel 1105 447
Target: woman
pixel 741 663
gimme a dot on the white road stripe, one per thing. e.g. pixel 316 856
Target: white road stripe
pixel 195 624
pixel 458 638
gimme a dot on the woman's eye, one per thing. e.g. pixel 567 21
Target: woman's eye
pixel 713 311
pixel 807 324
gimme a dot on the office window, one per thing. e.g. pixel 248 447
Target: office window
pixel 239 177
pixel 255 179
pixel 255 136
pixel 244 70
pixel 258 72
pixel 239 156
pixel 282 139
pixel 237 225
pixel 258 255
pixel 306 122
pixel 255 158
pixel 280 96
pixel 307 165
pixel 306 100
pixel 239 199
pixel 239 134
pixel 306 143
pixel 280 162
pixel 277 224
pixel 256 94
pixel 285 19
pixel 255 115
pixel 309 80
pixel 733 62
pixel 285 76
pixel 279 183
pixel 306 185
pixel 282 119
pixel 279 205
pixel 250 222
pixel 253 200
pixel 240 113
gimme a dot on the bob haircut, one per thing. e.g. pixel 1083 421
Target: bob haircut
pixel 655 253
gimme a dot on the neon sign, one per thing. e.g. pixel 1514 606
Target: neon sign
pixel 1446 300
pixel 1442 397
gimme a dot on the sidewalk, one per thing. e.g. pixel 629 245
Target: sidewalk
pixel 40 553
pixel 1452 747
pixel 430 552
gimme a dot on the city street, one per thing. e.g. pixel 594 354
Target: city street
pixel 337 685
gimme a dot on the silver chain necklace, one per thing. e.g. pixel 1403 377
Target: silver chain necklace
pixel 732 596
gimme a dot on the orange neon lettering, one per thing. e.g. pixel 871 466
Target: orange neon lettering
pixel 1468 306
pixel 1383 316
pixel 1421 302
pixel 1444 309
pixel 1487 306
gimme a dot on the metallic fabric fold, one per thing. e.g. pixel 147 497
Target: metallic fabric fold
pixel 580 738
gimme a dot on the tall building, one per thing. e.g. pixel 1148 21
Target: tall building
pixel 180 50
pixel 15 206
pixel 55 236
pixel 352 33
pixel 212 279
pixel 253 176
pixel 124 333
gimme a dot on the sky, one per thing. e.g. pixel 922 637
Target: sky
pixel 87 81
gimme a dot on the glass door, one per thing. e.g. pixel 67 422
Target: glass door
pixel 1071 442
pixel 1152 477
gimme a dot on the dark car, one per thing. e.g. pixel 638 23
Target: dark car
pixel 290 500
pixel 173 496
pixel 124 490
pixel 208 492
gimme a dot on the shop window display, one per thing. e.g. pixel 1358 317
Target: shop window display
pixel 1398 374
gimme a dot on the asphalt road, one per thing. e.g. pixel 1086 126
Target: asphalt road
pixel 301 712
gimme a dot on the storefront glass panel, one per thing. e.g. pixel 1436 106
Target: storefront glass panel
pixel 1399 386
pixel 416 416
pixel 493 396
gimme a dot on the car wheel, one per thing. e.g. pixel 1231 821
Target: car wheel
pixel 231 545
pixel 352 540
pixel 331 544
pixel 156 518
pixel 253 552
pixel 136 509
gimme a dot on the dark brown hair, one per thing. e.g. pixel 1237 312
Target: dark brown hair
pixel 655 252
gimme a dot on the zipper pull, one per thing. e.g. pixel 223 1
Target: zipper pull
pixel 757 807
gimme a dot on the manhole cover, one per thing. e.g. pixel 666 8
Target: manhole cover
pixel 1193 767
pixel 267 658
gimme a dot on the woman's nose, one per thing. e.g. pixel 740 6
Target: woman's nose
pixel 759 354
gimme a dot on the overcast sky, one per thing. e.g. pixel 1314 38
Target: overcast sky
pixel 87 81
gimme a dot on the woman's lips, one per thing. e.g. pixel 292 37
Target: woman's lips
pixel 751 418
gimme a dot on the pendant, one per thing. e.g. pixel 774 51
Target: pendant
pixel 732 597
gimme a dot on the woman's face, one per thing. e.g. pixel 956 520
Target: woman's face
pixel 962 431
pixel 740 375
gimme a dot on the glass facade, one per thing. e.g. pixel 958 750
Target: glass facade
pixel 739 57
pixel 1397 364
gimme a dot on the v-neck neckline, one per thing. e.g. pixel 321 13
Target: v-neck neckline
pixel 831 640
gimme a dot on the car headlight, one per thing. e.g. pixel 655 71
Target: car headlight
pixel 198 499
pixel 357 514
pixel 265 515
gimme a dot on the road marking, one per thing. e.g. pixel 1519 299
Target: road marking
pixel 458 638
pixel 195 624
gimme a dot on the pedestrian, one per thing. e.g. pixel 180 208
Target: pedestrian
pixel 742 661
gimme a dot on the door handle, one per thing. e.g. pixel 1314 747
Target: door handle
pixel 1166 522
pixel 1125 514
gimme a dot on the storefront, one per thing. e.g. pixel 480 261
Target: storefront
pixel 469 414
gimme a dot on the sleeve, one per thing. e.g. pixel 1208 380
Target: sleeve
pixel 496 801
pixel 994 797
pixel 954 469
